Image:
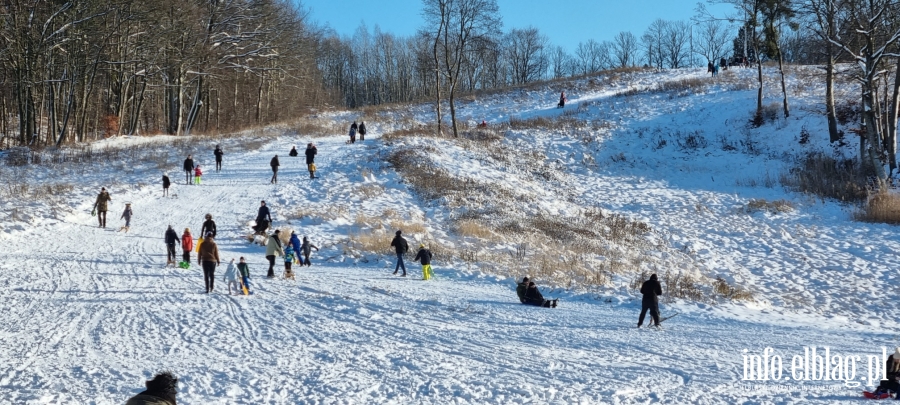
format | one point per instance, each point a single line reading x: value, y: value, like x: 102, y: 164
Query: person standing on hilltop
x: 400, y: 247
x: 188, y: 169
x: 274, y: 164
x: 101, y: 205
x: 166, y: 183
x: 562, y: 100
x: 218, y: 153
x: 311, y: 159
x: 651, y: 289
x: 353, y: 129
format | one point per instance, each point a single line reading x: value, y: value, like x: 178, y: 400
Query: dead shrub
x: 681, y: 286
x: 554, y: 122
x: 827, y: 177
x: 408, y: 227
x: 769, y: 113
x: 882, y: 207
x: 376, y: 241
x: 727, y: 291
x: 370, y: 190
x: 775, y: 207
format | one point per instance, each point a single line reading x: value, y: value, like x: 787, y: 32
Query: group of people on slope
x: 101, y: 206
x: 401, y: 247
x: 651, y: 290
x: 310, y: 153
x: 294, y: 251
x: 360, y: 129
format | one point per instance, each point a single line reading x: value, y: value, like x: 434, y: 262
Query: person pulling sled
x: 651, y: 289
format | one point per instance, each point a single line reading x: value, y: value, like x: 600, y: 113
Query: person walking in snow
x: 562, y: 100
x: 161, y: 390
x: 723, y: 63
x: 101, y: 205
x: 400, y: 247
x: 127, y: 216
x: 651, y: 289
x: 166, y: 184
x: 208, y: 258
x: 273, y: 247
x: 289, y: 256
x: 424, y: 257
x: 353, y: 132
x: 311, y: 159
x: 188, y: 169
x: 306, y: 249
x: 295, y: 243
x: 534, y: 297
x: 274, y: 164
x: 209, y: 226
x: 709, y: 68
x: 197, y: 174
x: 362, y: 131
x: 218, y: 153
x: 293, y: 152
x: 263, y: 218
x: 187, y: 245
x: 521, y: 288
x: 171, y: 239
x: 245, y: 273
x: 233, y: 277
x: 715, y: 70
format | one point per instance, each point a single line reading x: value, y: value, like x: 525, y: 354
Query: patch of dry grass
x: 882, y: 207
x: 827, y: 177
x: 473, y: 229
x: 775, y: 207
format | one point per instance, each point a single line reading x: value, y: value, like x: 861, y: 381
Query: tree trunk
x: 437, y: 88
x: 787, y: 110
x: 872, y: 130
x: 759, y: 91
x: 892, y: 110
x: 195, y: 106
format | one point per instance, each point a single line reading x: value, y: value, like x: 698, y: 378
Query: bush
x: 883, y: 206
x: 827, y: 177
x: 769, y: 206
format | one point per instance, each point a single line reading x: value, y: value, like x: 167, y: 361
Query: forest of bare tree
x: 82, y: 70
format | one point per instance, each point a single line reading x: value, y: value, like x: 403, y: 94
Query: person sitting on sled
x: 534, y: 297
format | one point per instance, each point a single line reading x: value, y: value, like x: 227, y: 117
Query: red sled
x: 872, y: 395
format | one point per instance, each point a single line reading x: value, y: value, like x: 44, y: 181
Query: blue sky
x: 566, y: 22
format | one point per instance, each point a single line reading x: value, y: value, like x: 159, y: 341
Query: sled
x: 199, y: 241
x: 184, y: 265
x: 661, y: 320
x: 872, y: 395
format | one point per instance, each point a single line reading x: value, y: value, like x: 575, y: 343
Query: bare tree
x: 526, y: 50
x: 652, y: 42
x: 712, y: 39
x: 675, y: 41
x: 625, y: 49
x: 825, y: 16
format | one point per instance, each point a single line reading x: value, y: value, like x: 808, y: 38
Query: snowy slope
x: 92, y: 313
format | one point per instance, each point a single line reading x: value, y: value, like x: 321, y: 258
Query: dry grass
x: 826, y: 177
x: 775, y: 207
x: 377, y: 241
x: 882, y: 207
x: 473, y: 229
x: 369, y: 190
x: 408, y: 227
x: 547, y: 123
x: 318, y: 127
x: 727, y: 291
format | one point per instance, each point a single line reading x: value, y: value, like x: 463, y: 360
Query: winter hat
x: 422, y: 245
x: 399, y: 232
x: 525, y: 279
x: 208, y: 216
x: 277, y: 231
x: 293, y: 232
x: 102, y: 188
x: 304, y: 238
x: 653, y: 277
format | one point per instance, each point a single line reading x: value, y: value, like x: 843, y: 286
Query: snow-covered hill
x: 91, y: 313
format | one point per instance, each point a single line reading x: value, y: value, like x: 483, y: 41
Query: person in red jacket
x: 197, y: 174
x: 187, y: 244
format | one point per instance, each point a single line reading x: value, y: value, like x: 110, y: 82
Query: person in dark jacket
x: 534, y: 297
x: 208, y: 259
x: 311, y: 159
x: 188, y: 169
x: 209, y: 226
x: 521, y: 288
x: 293, y: 152
x: 171, y: 240
x: 401, y: 247
x: 274, y: 163
x: 353, y: 129
x: 651, y: 290
x: 166, y: 184
x: 424, y: 257
x: 709, y: 67
x: 263, y: 218
x: 161, y: 390
x: 362, y: 131
x: 245, y: 273
x: 892, y: 366
x: 102, y: 205
x: 562, y: 100
x: 305, y: 250
x: 218, y: 152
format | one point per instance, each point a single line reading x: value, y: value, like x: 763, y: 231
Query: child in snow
x: 306, y: 250
x: 424, y: 257
x: 288, y: 260
x: 534, y: 297
x: 197, y: 174
x: 187, y: 245
x: 233, y: 278
x: 245, y: 274
x: 166, y: 184
x: 127, y: 215
x: 521, y: 288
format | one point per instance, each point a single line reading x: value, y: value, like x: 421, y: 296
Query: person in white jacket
x: 233, y: 278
